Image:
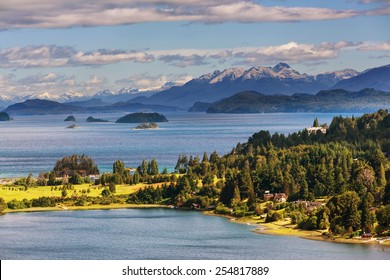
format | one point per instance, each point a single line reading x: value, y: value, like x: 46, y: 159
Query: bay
x: 156, y: 234
x: 35, y: 143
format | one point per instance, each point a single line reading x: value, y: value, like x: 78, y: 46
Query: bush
x: 273, y: 217
x: 220, y: 209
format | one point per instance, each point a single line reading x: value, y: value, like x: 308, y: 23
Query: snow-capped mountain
x: 377, y: 78
x: 331, y: 78
x: 280, y: 79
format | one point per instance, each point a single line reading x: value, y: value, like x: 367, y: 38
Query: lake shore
x: 275, y: 228
x: 285, y: 228
x: 81, y: 208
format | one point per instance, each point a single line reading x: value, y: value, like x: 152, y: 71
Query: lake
x: 35, y: 143
x: 156, y: 234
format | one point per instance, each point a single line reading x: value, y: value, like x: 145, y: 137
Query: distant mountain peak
x: 280, y: 66
x: 228, y: 74
x: 105, y: 92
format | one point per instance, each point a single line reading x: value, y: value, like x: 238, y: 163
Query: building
x: 314, y: 129
x: 280, y: 197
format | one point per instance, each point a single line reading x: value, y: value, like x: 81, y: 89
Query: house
x: 367, y: 235
x: 280, y: 197
x: 314, y: 129
x: 83, y: 173
x: 267, y: 195
x: 94, y: 177
x: 309, y: 205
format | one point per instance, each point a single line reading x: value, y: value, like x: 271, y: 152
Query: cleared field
x: 9, y: 193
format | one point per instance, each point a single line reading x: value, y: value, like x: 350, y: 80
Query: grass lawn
x: 9, y: 193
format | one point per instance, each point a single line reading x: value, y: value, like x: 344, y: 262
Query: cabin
x: 195, y: 206
x: 366, y: 235
x: 267, y: 195
x: 280, y: 197
x: 314, y: 129
x: 309, y: 205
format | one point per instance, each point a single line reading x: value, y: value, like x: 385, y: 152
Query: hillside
x: 325, y: 101
x: 41, y: 107
x: 377, y: 78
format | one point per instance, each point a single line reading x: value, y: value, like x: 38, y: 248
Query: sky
x: 85, y: 46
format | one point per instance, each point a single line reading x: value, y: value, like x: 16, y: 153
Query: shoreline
x: 285, y: 229
x: 85, y: 208
x: 275, y: 228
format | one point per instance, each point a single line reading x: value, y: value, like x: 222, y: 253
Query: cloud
x: 62, y: 56
x: 292, y: 52
x: 70, y: 13
x: 368, y: 46
x: 184, y: 60
x: 145, y: 81
x: 49, y: 83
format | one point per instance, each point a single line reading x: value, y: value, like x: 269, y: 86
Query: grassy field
x: 9, y: 193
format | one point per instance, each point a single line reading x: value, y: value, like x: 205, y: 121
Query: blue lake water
x: 156, y: 234
x: 34, y: 143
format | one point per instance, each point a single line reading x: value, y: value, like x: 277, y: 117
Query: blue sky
x: 60, y: 46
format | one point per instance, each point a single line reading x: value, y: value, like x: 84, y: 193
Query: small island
x: 4, y: 117
x: 92, y: 119
x: 147, y: 126
x: 70, y: 118
x: 142, y: 118
x: 72, y: 126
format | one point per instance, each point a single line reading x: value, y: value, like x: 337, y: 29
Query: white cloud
x: 292, y: 52
x: 61, y: 56
x: 145, y: 81
x: 368, y: 46
x: 69, y: 13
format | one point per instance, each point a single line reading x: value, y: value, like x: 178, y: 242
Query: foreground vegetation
x: 336, y: 184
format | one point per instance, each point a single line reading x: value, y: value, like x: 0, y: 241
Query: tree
x: 41, y: 181
x: 3, y: 204
x: 316, y: 123
x: 153, y: 167
x: 118, y: 168
x: 112, y: 187
x: 106, y: 193
x: 227, y: 192
x: 52, y: 179
x: 76, y: 179
x: 386, y: 196
x: 136, y: 177
x: 366, y: 220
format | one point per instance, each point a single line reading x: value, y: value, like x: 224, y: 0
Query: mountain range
x: 212, y: 87
x: 335, y: 100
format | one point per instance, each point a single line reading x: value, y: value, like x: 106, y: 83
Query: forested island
x: 92, y: 119
x: 142, y: 118
x: 4, y: 117
x: 70, y: 118
x: 332, y: 182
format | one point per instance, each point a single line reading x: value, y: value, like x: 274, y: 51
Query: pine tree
x: 316, y: 123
